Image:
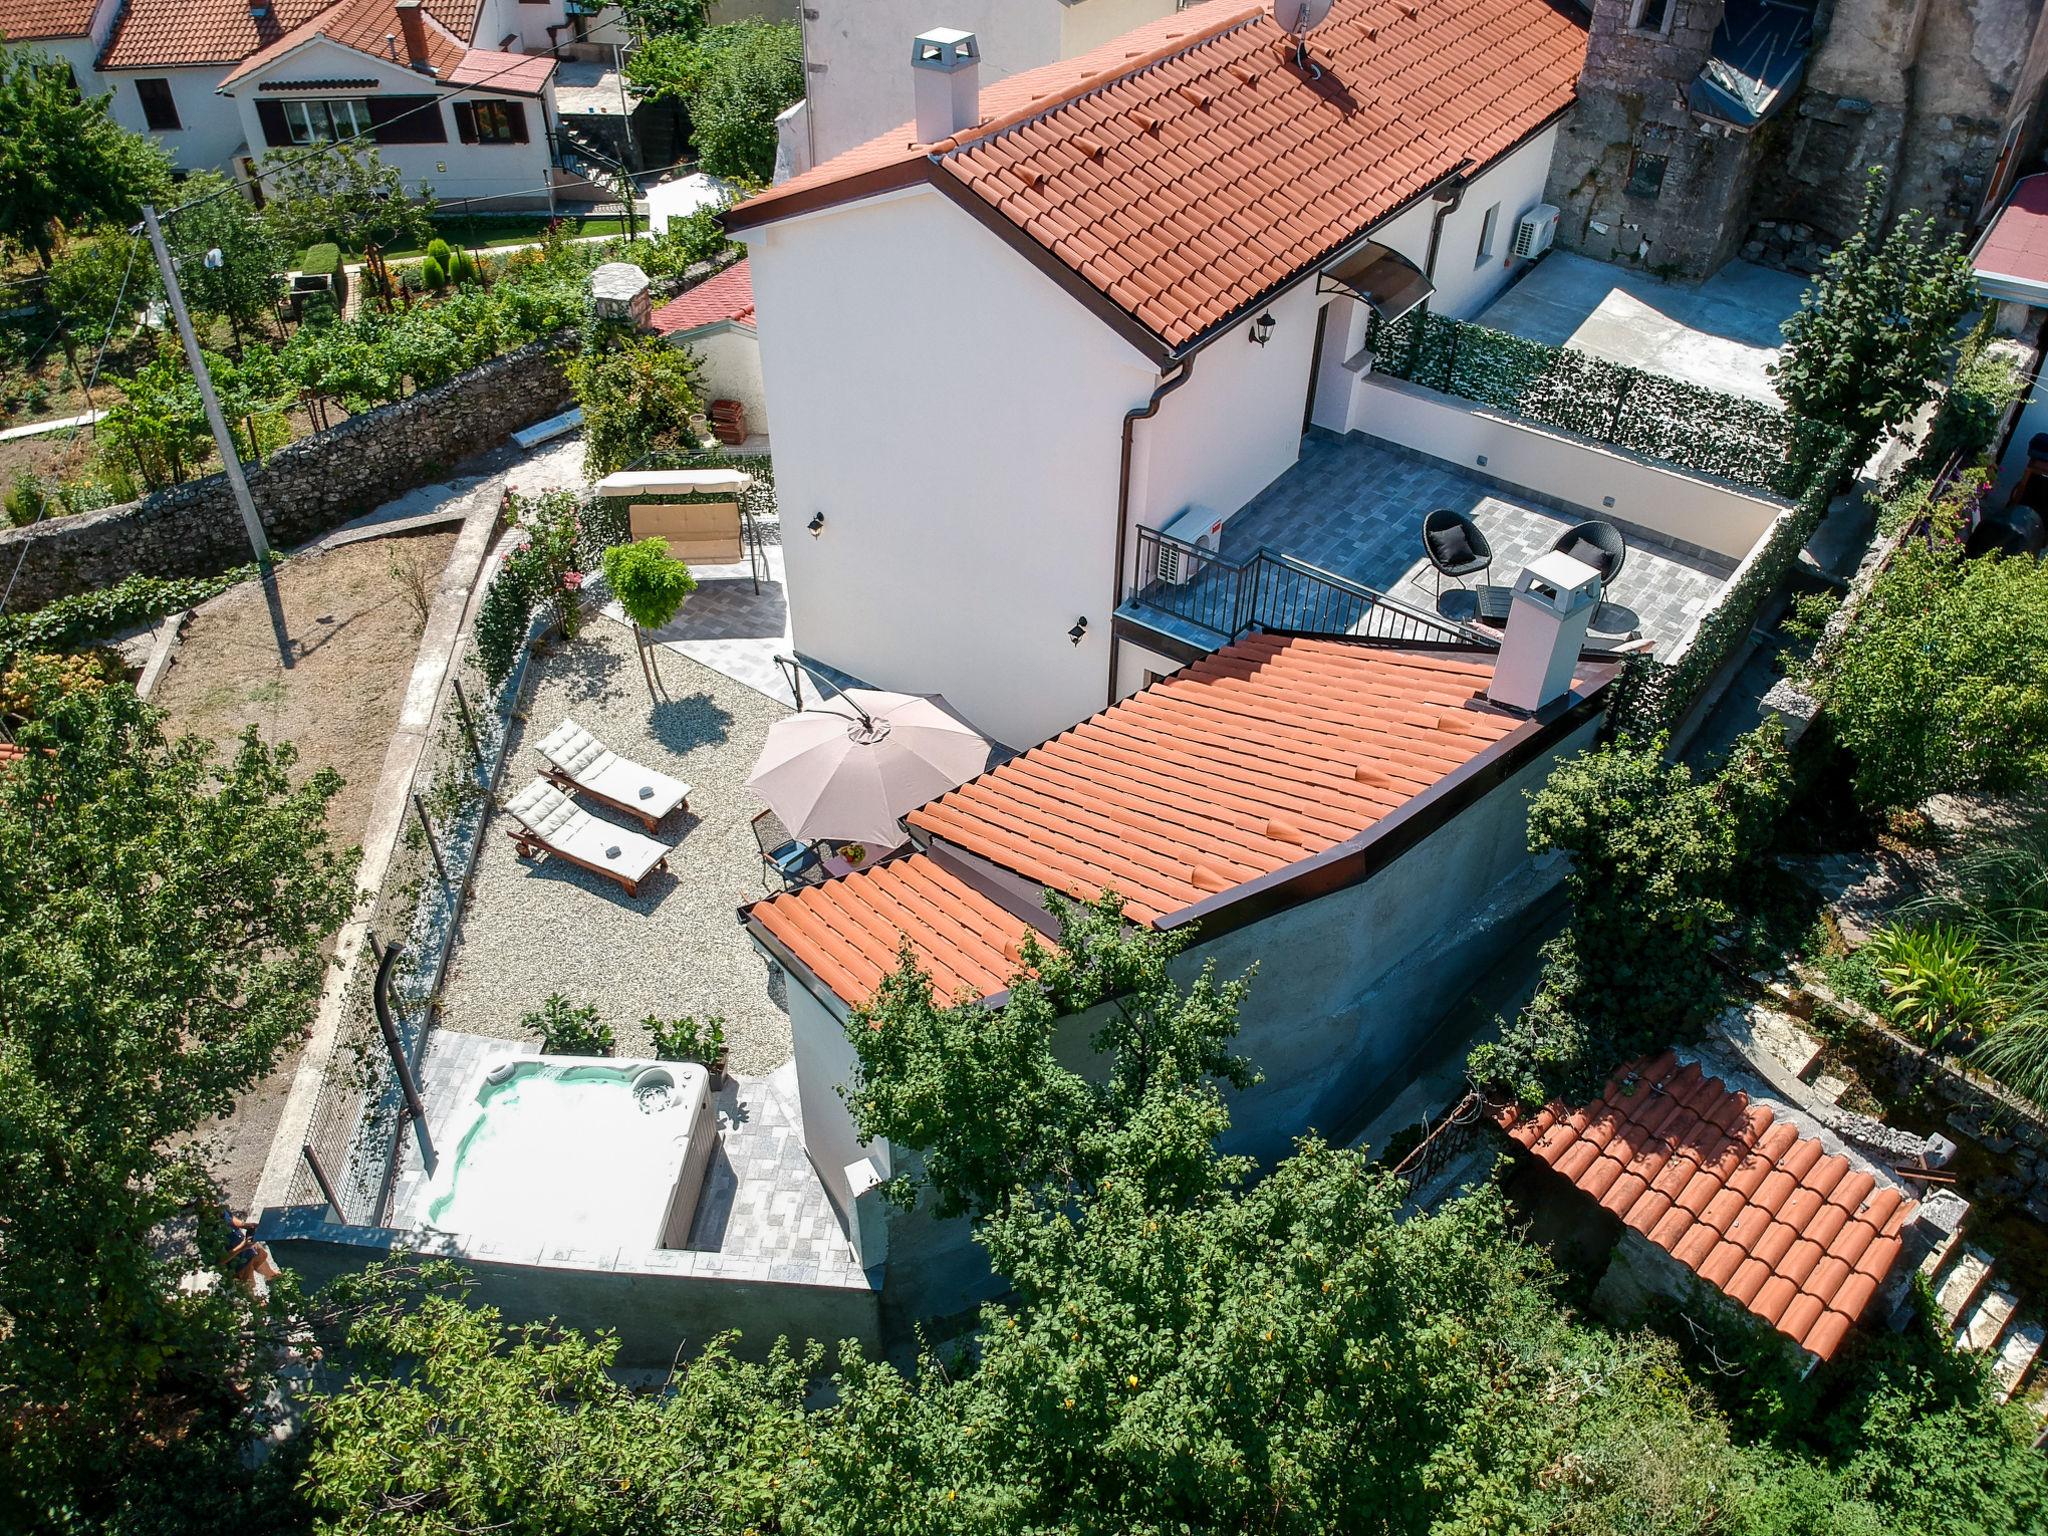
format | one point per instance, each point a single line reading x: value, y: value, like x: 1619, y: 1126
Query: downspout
x: 1457, y: 181
x: 1123, y: 502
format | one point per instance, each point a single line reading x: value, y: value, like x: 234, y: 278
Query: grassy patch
x: 472, y: 233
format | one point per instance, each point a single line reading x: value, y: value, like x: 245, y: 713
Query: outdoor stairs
x: 1981, y: 1316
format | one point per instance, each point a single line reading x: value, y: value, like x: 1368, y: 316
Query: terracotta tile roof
x: 515, y: 74
x: 2016, y: 244
x: 365, y: 24
x: 727, y: 296
x: 1798, y: 1237
x: 36, y: 21
x: 169, y: 34
x: 849, y: 931
x: 9, y: 752
x: 1189, y: 168
x: 1249, y: 760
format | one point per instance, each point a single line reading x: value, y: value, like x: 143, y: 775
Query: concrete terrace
x: 1720, y: 334
x: 1354, y: 507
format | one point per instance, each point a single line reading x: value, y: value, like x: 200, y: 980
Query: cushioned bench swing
x: 701, y: 513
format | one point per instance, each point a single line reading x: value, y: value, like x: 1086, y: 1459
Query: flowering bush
x: 540, y: 572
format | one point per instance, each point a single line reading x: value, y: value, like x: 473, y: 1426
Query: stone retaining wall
x: 306, y: 487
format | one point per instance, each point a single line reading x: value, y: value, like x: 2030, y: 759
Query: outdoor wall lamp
x: 1080, y: 628
x: 816, y: 524
x: 1262, y: 329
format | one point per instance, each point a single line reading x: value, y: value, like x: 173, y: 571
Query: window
x: 1651, y: 16
x: 1487, y: 228
x: 1646, y: 175
x: 490, y: 122
x: 158, y: 110
x: 323, y: 122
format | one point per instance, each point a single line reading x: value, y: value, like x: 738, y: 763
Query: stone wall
x: 305, y: 488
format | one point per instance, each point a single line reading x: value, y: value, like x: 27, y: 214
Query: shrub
x: 685, y: 1040
x: 1985, y: 384
x: 32, y: 682
x: 567, y: 1029
x: 542, y: 568
x: 26, y: 500
x: 638, y: 396
x: 71, y: 621
x: 432, y: 273
x: 649, y: 583
x: 1935, y: 982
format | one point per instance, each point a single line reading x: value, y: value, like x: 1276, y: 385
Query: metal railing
x: 1272, y: 591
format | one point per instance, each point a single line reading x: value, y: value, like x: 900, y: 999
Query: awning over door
x: 1384, y: 278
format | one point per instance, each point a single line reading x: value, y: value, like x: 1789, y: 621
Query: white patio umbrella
x: 847, y: 769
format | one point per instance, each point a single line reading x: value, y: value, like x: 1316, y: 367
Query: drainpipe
x: 1445, y: 207
x: 1123, y: 503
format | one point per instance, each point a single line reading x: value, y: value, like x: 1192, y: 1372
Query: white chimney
x: 946, y: 75
x: 1552, y: 606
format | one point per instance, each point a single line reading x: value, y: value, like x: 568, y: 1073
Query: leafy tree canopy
x: 346, y: 194
x: 63, y: 159
x: 736, y: 80
x: 161, y: 923
x: 247, y: 281
x: 649, y: 583
x: 638, y: 396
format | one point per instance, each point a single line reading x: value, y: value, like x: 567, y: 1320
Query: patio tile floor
x: 1354, y: 506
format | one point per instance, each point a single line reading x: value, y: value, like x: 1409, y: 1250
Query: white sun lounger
x: 550, y: 822
x: 579, y: 763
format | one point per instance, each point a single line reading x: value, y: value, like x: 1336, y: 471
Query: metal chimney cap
x: 945, y: 49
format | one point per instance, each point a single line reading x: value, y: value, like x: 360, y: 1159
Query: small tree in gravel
x: 650, y: 585
x: 569, y: 1029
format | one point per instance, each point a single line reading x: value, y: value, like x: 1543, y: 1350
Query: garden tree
x: 665, y: 18
x: 650, y: 585
x: 63, y: 159
x: 1941, y: 682
x: 157, y: 429
x: 1869, y: 343
x: 979, y: 1092
x: 245, y: 286
x: 736, y: 80
x: 344, y: 193
x: 161, y: 922
x: 93, y: 285
x: 638, y: 396
x: 1656, y: 858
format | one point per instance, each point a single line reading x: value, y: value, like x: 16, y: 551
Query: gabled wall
x: 211, y: 129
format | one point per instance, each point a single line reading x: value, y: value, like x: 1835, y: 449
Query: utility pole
x: 631, y: 144
x: 257, y: 539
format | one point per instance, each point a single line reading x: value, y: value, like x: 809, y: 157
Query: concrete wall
x: 824, y: 1063
x: 1686, y: 509
x: 857, y: 52
x: 211, y: 129
x: 730, y: 356
x: 957, y: 419
x: 306, y: 487
x: 525, y: 21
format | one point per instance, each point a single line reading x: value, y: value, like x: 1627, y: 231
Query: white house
x: 1052, y: 311
x: 854, y: 81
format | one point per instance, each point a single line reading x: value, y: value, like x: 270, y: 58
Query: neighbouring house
x: 1706, y: 129
x: 854, y: 78
x: 1700, y: 1187
x: 1095, y: 298
x: 1347, y: 814
x: 715, y: 321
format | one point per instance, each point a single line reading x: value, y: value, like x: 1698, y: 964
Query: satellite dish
x: 1297, y: 19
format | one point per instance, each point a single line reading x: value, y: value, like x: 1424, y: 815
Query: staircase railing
x: 1273, y: 591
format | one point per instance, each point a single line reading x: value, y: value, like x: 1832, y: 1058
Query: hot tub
x: 585, y: 1151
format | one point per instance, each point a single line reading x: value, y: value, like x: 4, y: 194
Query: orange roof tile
x: 1266, y: 753
x: 37, y: 21
x: 849, y: 931
x: 365, y: 25
x: 727, y: 296
x: 1189, y: 168
x: 170, y: 34
x: 9, y: 752
x: 1766, y: 1216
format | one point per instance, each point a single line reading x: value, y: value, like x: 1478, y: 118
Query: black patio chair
x: 1597, y: 544
x: 1455, y: 546
x: 795, y: 863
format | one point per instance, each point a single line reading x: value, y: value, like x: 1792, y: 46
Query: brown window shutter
x: 271, y: 115
x: 406, y: 120
x: 465, y: 122
x: 515, y: 117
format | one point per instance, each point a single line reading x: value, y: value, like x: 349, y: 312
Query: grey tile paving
x: 1354, y: 506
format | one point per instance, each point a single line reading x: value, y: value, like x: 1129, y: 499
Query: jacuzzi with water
x: 578, y: 1150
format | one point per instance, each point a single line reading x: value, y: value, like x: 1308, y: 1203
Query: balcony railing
x: 1271, y: 591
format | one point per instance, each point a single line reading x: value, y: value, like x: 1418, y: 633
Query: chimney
x: 259, y: 9
x: 412, y: 22
x: 1548, y: 614
x: 946, y: 76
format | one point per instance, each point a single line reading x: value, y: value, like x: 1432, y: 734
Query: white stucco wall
x: 503, y: 176
x: 1712, y: 516
x: 211, y: 128
x: 730, y: 357
x: 527, y: 21
x: 857, y: 52
x: 958, y: 420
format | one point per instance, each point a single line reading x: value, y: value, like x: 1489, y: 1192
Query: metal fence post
x: 320, y: 1177
x: 427, y: 826
x: 468, y: 721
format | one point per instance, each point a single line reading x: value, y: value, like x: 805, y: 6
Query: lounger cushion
x: 556, y: 822
x: 597, y: 768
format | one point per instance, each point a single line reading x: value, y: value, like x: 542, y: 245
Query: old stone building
x: 1707, y: 129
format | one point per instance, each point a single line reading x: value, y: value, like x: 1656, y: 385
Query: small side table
x: 1490, y: 605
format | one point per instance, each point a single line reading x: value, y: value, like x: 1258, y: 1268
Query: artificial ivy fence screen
x: 1681, y: 424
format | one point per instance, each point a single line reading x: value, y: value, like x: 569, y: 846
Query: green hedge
x: 1681, y: 424
x: 322, y: 261
x: 71, y: 622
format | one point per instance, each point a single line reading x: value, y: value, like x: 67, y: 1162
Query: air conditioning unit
x: 1197, y: 526
x: 1535, y: 230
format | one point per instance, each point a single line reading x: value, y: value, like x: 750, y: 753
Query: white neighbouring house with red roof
x: 456, y: 93
x: 1094, y: 297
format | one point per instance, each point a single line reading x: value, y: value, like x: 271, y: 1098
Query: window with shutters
x: 491, y: 122
x: 323, y: 122
x: 159, y: 111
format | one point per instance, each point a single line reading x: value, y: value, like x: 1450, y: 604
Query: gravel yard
x: 541, y: 926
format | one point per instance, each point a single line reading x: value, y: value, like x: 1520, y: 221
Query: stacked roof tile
x: 1797, y: 1236
x: 1191, y: 167
x: 727, y: 296
x: 37, y: 21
